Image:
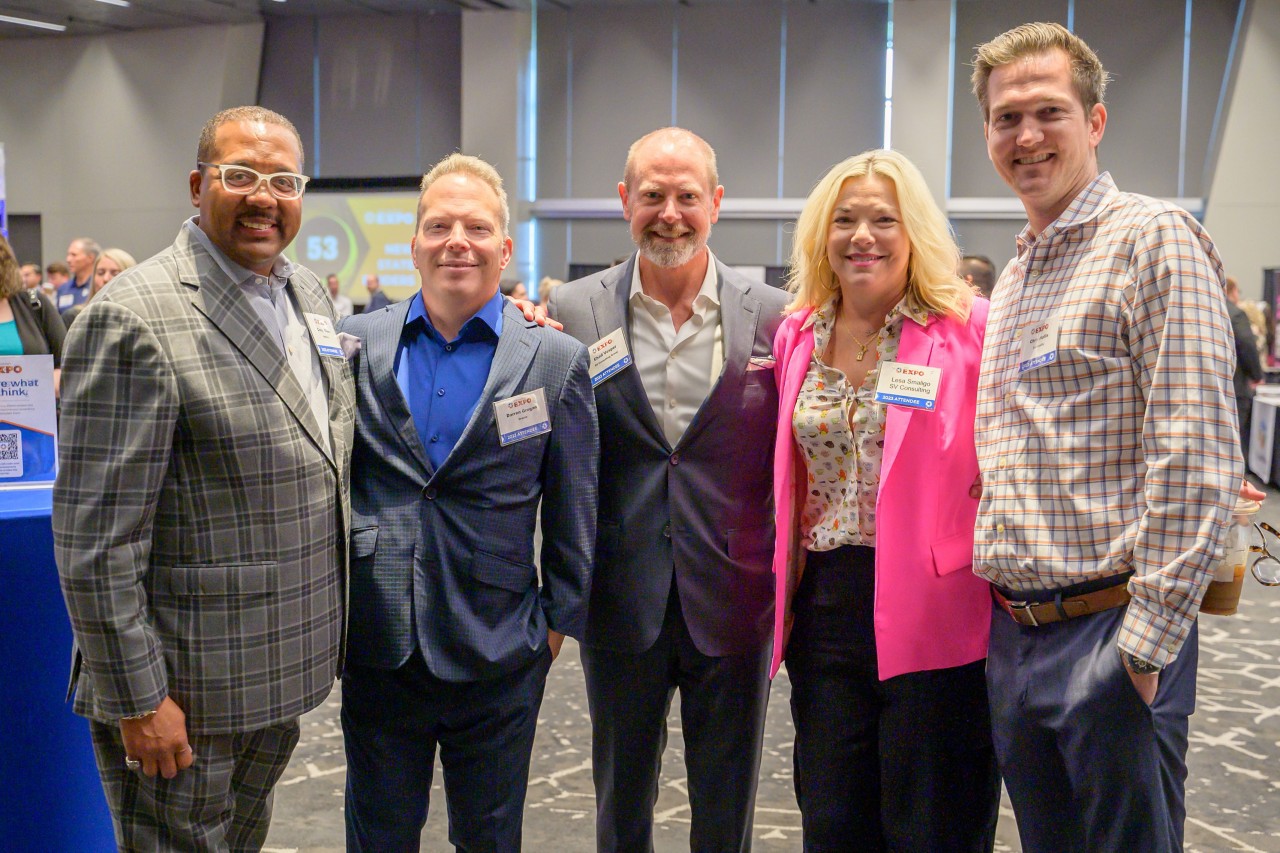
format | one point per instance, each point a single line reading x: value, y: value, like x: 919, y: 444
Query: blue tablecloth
x: 52, y: 799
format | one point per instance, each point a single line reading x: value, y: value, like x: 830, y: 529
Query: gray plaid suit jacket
x: 199, y: 522
x: 445, y: 556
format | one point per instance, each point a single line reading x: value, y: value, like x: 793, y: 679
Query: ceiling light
x: 115, y: 2
x: 27, y: 22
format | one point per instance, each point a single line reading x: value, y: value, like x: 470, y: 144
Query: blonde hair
x: 1087, y: 73
x: 123, y: 259
x: 932, y: 283
x: 465, y: 164
x: 10, y: 271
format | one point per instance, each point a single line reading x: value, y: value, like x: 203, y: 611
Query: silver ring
x: 132, y: 764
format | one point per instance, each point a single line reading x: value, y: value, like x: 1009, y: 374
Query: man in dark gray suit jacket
x: 468, y: 416
x: 682, y: 594
x: 200, y: 512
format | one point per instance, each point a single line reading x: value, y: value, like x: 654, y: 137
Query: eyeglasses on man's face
x: 242, y: 180
x: 1266, y: 569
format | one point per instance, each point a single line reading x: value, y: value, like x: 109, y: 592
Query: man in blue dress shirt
x: 468, y: 417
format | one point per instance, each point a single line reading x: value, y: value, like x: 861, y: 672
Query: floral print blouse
x: 840, y: 432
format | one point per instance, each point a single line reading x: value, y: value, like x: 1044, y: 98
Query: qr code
x: 10, y: 445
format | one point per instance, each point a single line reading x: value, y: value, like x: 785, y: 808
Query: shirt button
x: 1004, y: 461
x: 1000, y: 529
x: 675, y: 458
x: 671, y: 404
x: 448, y: 347
x: 440, y: 392
x: 435, y: 438
x: 430, y: 493
x: 666, y: 530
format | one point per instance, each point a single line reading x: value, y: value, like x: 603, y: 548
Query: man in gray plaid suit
x: 201, y: 507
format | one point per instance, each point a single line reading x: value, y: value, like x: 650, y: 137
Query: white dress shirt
x: 677, y: 368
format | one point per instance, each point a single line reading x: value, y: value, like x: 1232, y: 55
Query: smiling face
x: 670, y: 203
x: 253, y: 229
x: 459, y: 248
x: 1040, y: 138
x: 867, y: 244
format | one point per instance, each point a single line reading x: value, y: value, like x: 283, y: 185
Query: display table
x: 53, y: 800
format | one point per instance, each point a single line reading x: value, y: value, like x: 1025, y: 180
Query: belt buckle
x: 1024, y: 607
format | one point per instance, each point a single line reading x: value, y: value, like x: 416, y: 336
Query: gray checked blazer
x: 444, y: 557
x: 698, y: 514
x: 198, y: 518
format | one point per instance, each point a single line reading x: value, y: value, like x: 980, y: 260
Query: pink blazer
x: 931, y: 611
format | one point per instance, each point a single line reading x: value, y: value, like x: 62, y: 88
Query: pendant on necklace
x: 862, y: 351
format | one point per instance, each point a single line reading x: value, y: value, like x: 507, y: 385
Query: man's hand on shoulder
x: 536, y: 313
x: 159, y: 740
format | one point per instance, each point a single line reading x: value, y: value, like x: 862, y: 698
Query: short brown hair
x: 10, y: 272
x: 1087, y: 73
x: 209, y: 134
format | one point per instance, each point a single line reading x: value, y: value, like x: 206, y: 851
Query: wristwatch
x: 1137, y: 665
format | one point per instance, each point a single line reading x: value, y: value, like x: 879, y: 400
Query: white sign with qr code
x: 10, y: 453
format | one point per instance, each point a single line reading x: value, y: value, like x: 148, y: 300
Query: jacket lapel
x: 309, y: 301
x: 382, y: 339
x: 914, y: 347
x: 739, y: 319
x: 611, y: 307
x: 217, y: 297
x: 511, y: 362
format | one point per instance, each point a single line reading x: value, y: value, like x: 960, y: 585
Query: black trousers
x: 905, y: 764
x: 722, y: 707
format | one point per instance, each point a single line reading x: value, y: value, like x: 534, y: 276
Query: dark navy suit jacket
x: 445, y: 557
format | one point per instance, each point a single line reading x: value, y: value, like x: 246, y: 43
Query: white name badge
x: 324, y: 336
x: 608, y: 356
x: 1039, y: 344
x: 912, y: 385
x: 65, y: 301
x: 522, y: 416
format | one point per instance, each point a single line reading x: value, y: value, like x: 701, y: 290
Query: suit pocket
x: 364, y: 542
x: 748, y: 542
x: 492, y: 570
x: 226, y: 579
x: 952, y: 553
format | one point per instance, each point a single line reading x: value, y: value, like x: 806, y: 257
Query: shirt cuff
x: 1153, y: 636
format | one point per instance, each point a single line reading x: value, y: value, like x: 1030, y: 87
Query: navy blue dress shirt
x: 442, y: 380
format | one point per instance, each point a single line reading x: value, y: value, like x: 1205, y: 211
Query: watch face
x: 1138, y: 666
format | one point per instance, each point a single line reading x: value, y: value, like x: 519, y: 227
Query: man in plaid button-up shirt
x: 1107, y: 438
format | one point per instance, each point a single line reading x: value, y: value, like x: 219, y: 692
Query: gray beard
x: 670, y: 256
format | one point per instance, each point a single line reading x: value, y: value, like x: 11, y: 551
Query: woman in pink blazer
x: 883, y: 623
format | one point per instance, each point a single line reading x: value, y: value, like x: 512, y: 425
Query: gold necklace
x: 862, y: 348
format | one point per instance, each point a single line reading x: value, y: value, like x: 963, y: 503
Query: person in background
x: 29, y: 324
x: 378, y: 299
x: 874, y: 500
x: 1110, y: 457
x: 978, y: 271
x: 1249, y: 371
x: 31, y: 278
x: 342, y: 305
x: 545, y: 287
x: 513, y: 288
x: 82, y: 254
x: 55, y: 275
x: 111, y: 262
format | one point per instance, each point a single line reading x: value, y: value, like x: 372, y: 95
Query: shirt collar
x: 906, y: 307
x: 1085, y: 207
x: 488, y: 317
x: 708, y: 293
x: 281, y: 266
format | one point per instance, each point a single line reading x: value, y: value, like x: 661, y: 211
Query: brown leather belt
x: 1036, y: 613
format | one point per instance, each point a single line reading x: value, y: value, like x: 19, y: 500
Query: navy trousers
x: 722, y: 707
x: 1089, y: 767
x: 902, y: 765
x: 392, y: 721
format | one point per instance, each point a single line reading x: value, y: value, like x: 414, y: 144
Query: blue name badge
x: 522, y: 416
x: 914, y: 386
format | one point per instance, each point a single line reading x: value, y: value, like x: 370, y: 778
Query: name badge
x: 1039, y: 344
x: 609, y: 355
x: 324, y: 335
x: 522, y: 416
x: 912, y: 385
x: 66, y: 300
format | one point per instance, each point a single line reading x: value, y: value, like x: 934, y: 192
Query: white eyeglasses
x: 242, y: 180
